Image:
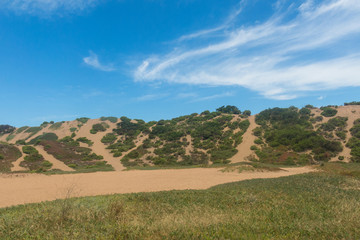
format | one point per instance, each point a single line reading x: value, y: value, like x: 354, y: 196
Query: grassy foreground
x: 323, y: 205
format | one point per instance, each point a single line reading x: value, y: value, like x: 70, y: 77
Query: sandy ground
x: 18, y: 189
x: 248, y: 140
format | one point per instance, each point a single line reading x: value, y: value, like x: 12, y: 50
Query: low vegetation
x: 214, y: 137
x: 56, y: 126
x: 8, y: 154
x: 34, y: 161
x: 99, y: 127
x: 5, y: 129
x: 354, y: 141
x: 110, y: 119
x: 352, y: 103
x: 328, y: 111
x: 288, y: 137
x: 44, y: 136
x: 79, y: 158
x: 322, y: 205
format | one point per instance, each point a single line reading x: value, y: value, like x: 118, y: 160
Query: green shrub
x: 83, y: 120
x: 47, y: 164
x: 1, y: 157
x: 44, y: 136
x: 352, y: 103
x: 99, y: 127
x: 85, y: 140
x: 111, y: 119
x: 328, y: 112
x: 73, y: 129
x: 341, y: 158
x: 229, y: 109
x: 20, y: 142
x: 4, y: 129
x: 109, y: 138
x: 29, y: 150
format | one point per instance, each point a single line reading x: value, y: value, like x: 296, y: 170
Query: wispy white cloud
x: 46, y: 7
x: 215, y: 96
x: 186, y: 95
x: 93, y: 61
x: 151, y: 97
x: 279, y: 58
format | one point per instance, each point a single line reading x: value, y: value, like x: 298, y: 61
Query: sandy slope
x: 29, y: 188
x: 99, y: 148
x: 56, y: 163
x: 248, y: 140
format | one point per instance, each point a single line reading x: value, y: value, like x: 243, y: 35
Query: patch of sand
x: 57, y: 164
x: 31, y: 188
x: 248, y: 140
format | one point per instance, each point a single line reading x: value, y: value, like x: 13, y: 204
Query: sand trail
x: 18, y: 189
x: 248, y: 140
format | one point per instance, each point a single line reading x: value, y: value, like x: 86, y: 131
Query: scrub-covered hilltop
x: 287, y: 136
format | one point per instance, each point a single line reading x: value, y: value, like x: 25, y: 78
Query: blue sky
x: 158, y: 59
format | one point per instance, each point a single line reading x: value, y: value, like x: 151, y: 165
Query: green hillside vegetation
x: 354, y: 142
x: 21, y: 129
x: 321, y: 205
x: 328, y: 111
x: 8, y: 154
x: 214, y: 137
x: 111, y: 119
x: 34, y: 161
x: 286, y: 136
x: 99, y: 127
x: 83, y: 120
x: 352, y: 103
x: 56, y: 126
x: 85, y: 140
x: 44, y: 136
x: 289, y: 136
x: 5, y: 129
x: 335, y: 126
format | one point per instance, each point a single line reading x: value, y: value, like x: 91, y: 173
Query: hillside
x: 286, y: 136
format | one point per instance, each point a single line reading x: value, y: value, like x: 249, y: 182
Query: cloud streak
x: 46, y: 7
x: 93, y: 61
x: 307, y: 47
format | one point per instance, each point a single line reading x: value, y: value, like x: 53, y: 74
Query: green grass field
x: 321, y: 205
